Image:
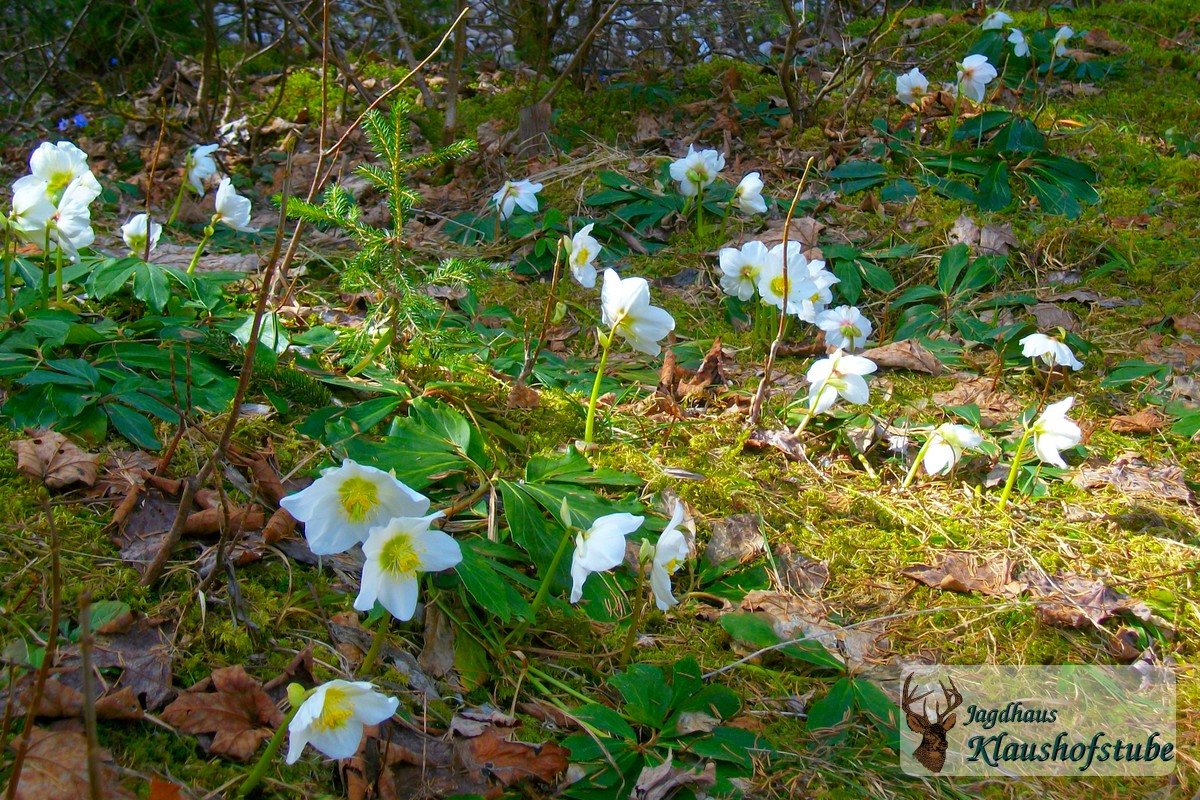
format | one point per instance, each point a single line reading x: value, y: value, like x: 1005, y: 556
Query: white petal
x: 939, y: 458
x: 855, y: 390
x: 398, y: 594
x: 442, y: 551
x: 340, y: 742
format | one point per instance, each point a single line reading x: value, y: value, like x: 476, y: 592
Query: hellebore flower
x: 974, y: 74
x: 200, y: 166
x: 911, y: 86
x: 342, y: 506
x: 946, y: 445
x: 1053, y: 432
x: 584, y: 249
x: 232, y: 209
x: 599, y: 548
x: 771, y: 282
x: 748, y: 195
x: 626, y: 310
x: 519, y: 193
x: 845, y: 327
x: 395, y: 553
x: 1060, y: 40
x: 1019, y: 43
x: 695, y: 171
x: 667, y: 555
x: 60, y: 165
x: 332, y: 718
x: 838, y: 375
x: 1052, y: 351
x: 137, y: 231
x: 995, y: 21
x: 740, y: 268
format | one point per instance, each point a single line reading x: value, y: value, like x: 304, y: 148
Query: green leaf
x: 757, y: 632
x: 994, y: 191
x: 877, y: 277
x: 875, y: 704
x: 109, y: 276
x: 952, y: 263
x: 833, y: 709
x: 646, y: 694
x: 607, y: 720
x: 533, y: 532
x: 898, y: 191
x: 849, y: 280
x: 486, y: 587
x: 133, y: 426
x: 150, y: 286
x: 103, y: 612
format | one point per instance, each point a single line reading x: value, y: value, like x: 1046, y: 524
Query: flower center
x: 850, y: 331
x: 359, y: 497
x: 335, y: 713
x: 697, y: 175
x: 671, y: 566
x: 398, y: 555
x: 581, y: 256
x: 777, y: 284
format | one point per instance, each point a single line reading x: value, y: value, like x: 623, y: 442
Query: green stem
x: 381, y: 629
x: 178, y: 198
x: 589, y: 428
x: 635, y: 619
x: 208, y: 232
x: 46, y: 270
x: 954, y: 116
x: 808, y: 412
x: 375, y: 350
x: 700, y: 213
x: 58, y: 279
x: 260, y: 769
x: 8, y: 292
x: 539, y: 599
x: 725, y: 219
x: 912, y: 471
x: 1016, y: 465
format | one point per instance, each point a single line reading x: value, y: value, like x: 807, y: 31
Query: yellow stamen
x: 336, y: 712
x: 398, y: 555
x: 359, y: 497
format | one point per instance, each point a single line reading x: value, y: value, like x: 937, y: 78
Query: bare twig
x: 95, y: 784
x: 584, y: 47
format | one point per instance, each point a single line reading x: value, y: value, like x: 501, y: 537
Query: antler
x: 910, y: 698
x: 953, y: 699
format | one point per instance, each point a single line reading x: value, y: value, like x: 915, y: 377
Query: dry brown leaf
x: 164, y: 790
x: 437, y: 657
x: 1127, y: 473
x: 676, y: 383
x: 56, y: 768
x: 929, y: 21
x: 1186, y: 323
x: 1050, y: 316
x: 967, y: 571
x: 280, y: 526
x: 997, y: 239
x: 793, y: 617
x: 493, y: 756
x: 800, y: 573
x: 905, y: 354
x: 53, y: 459
x: 143, y: 654
x: 964, y: 231
x: 1076, y: 601
x: 1147, y: 420
x: 804, y: 230
x: 994, y: 406
x: 1099, y: 39
x: 63, y: 702
x: 784, y: 441
x: 522, y: 395
x: 660, y: 782
x: 735, y: 537
x: 233, y: 707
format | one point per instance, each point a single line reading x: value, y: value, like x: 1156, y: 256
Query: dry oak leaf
x: 233, y: 707
x: 736, y: 537
x: 1076, y: 601
x: 1099, y: 39
x: 56, y: 768
x: 994, y: 406
x: 1147, y: 420
x: 659, y: 783
x: 1129, y: 474
x: 967, y: 571
x: 52, y: 458
x: 493, y: 756
x: 905, y: 354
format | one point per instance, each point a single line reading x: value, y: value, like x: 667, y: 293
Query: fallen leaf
x: 802, y: 574
x: 784, y: 441
x: 1050, y: 316
x: 1075, y: 601
x: 1099, y: 39
x: 1127, y: 473
x: 1086, y: 296
x: 660, y: 782
x: 995, y: 406
x: 231, y: 706
x: 735, y: 537
x: 929, y: 21
x: 997, y: 239
x: 804, y: 230
x: 1186, y: 323
x: 164, y: 790
x: 143, y: 655
x: 493, y: 756
x: 676, y: 383
x: 437, y: 657
x: 145, y: 528
x: 52, y: 458
x: 1147, y: 420
x: 56, y: 768
x: 964, y: 231
x: 794, y: 617
x: 905, y: 354
x: 695, y: 722
x: 523, y: 395
x: 63, y: 702
x: 967, y: 571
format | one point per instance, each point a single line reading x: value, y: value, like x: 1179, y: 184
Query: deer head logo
x: 932, y: 750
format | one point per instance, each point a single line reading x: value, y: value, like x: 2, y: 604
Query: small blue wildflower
x: 63, y: 124
x: 80, y: 120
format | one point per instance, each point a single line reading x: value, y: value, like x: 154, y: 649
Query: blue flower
x: 63, y: 124
x: 80, y: 120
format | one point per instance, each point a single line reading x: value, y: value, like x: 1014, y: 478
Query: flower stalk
x: 208, y: 233
x: 635, y: 619
x: 1016, y: 465
x: 912, y: 471
x: 539, y: 599
x: 589, y: 429
x: 381, y: 629
x: 264, y: 762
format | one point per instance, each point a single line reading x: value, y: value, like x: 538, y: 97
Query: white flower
x: 839, y: 374
x: 1053, y: 432
x: 519, y: 193
x: 232, y: 208
x: 345, y: 503
x: 740, y: 268
x: 60, y: 165
x: 71, y: 227
x: 332, y: 718
x: 696, y: 170
x: 1060, y: 40
x: 584, y: 249
x: 1050, y: 350
x: 748, y: 195
x: 1019, y: 43
x: 911, y: 86
x: 974, y: 74
x: 600, y: 547
x: 395, y: 553
x: 845, y: 327
x: 625, y: 308
x: 815, y: 290
x: 946, y: 445
x: 32, y: 209
x: 771, y: 278
x: 996, y: 20
x: 137, y: 231
x: 200, y: 166
x: 669, y: 553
